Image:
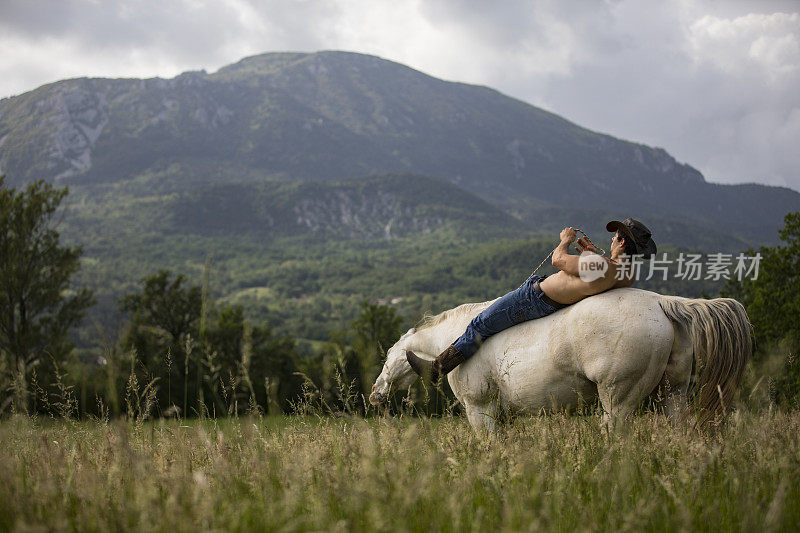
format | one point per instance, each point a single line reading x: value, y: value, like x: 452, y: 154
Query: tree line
x: 178, y: 354
x: 181, y: 354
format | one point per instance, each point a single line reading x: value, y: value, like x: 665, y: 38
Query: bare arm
x: 563, y: 261
x: 570, y: 264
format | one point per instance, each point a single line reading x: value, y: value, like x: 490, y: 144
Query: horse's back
x: 618, y: 333
x: 559, y: 360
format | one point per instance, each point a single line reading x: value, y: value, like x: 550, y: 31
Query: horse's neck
x: 434, y: 339
x: 431, y: 341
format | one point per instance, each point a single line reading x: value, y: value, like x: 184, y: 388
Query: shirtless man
x: 540, y: 296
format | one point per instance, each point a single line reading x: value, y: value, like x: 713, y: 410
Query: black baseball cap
x: 641, y: 236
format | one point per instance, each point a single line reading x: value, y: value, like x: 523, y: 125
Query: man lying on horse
x: 540, y: 296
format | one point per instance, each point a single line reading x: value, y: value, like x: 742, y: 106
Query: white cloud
x: 768, y: 43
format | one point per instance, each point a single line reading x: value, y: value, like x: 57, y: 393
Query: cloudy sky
x: 715, y: 83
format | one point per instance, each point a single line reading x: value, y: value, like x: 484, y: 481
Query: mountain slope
x: 337, y: 115
x: 303, y: 256
x: 377, y: 208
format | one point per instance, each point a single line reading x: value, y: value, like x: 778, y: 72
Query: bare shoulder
x: 609, y: 279
x: 622, y: 281
x: 617, y: 276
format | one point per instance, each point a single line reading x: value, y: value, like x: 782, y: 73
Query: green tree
x: 350, y: 360
x: 219, y: 367
x: 374, y: 332
x: 163, y: 331
x: 264, y: 365
x: 773, y: 298
x: 37, y: 305
x: 772, y: 301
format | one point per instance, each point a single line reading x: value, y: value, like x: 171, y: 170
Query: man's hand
x: 585, y: 246
x: 561, y: 258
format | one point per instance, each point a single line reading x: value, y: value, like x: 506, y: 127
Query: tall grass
x: 309, y: 473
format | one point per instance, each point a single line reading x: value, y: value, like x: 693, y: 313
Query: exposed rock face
x: 77, y: 117
x: 358, y: 216
x: 2, y: 140
x: 367, y: 209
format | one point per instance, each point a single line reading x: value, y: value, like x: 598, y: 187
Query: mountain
x: 333, y: 116
x: 303, y: 256
x: 379, y: 208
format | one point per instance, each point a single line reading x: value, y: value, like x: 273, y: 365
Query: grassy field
x: 410, y: 474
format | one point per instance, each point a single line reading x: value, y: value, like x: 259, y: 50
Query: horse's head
x: 396, y: 373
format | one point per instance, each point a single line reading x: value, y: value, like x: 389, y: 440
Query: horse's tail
x: 722, y: 340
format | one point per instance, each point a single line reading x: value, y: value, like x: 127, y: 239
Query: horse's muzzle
x: 377, y: 397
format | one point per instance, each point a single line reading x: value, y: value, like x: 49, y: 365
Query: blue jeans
x: 515, y: 307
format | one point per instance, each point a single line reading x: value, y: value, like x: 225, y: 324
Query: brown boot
x: 432, y: 371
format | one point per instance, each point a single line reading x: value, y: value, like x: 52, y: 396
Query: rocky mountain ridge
x: 334, y: 116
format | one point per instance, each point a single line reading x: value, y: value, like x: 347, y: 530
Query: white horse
x: 620, y: 346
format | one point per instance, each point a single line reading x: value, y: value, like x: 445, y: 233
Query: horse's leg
x: 621, y: 397
x: 634, y: 378
x: 483, y: 418
x: 670, y: 395
x: 671, y: 399
x: 616, y: 407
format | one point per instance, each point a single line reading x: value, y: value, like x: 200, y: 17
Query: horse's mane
x: 429, y: 321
